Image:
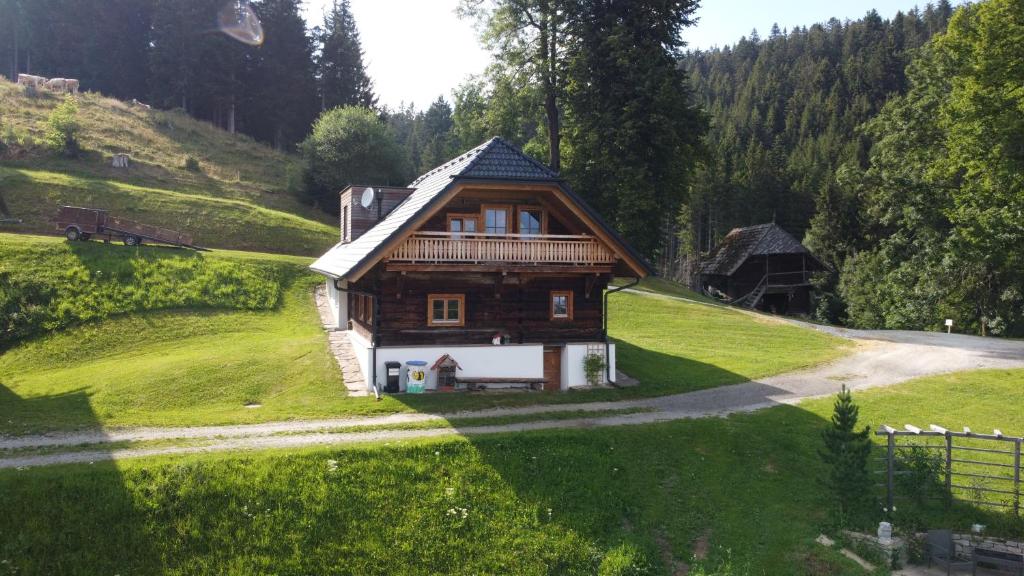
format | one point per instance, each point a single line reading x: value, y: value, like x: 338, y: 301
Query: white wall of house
x: 338, y: 302
x: 480, y: 361
x: 510, y: 361
x: 573, y: 375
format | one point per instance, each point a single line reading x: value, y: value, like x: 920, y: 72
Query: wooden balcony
x: 473, y: 251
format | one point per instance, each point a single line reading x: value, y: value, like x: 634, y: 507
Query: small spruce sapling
x: 846, y: 452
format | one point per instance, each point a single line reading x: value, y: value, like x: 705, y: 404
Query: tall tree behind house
x: 343, y: 79
x: 633, y: 130
x: 595, y: 87
x: 529, y: 36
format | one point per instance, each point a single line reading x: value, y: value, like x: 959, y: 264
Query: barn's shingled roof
x: 742, y: 243
x: 492, y: 160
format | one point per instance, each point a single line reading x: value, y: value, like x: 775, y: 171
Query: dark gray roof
x: 742, y: 243
x: 492, y: 160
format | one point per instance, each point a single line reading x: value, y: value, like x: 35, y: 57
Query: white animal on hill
x: 56, y: 84
x: 30, y: 80
x: 71, y: 85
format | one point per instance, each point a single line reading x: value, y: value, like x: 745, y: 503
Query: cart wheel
x: 72, y: 233
x: 131, y: 240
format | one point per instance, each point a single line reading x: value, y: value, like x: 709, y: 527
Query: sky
x: 417, y: 50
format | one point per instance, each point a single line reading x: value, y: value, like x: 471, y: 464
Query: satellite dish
x: 367, y: 200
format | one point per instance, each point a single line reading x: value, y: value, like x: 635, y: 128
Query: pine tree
x: 343, y: 79
x: 631, y: 122
x: 281, y: 94
x: 846, y: 453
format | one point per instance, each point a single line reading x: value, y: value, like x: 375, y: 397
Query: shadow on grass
x: 46, y: 528
x: 726, y: 488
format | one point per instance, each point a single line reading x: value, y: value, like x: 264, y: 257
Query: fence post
x: 1016, y: 477
x: 949, y: 467
x: 890, y: 471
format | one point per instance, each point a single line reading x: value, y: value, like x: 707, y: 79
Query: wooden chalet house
x: 763, y: 267
x: 491, y: 246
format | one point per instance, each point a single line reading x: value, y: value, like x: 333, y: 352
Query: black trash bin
x: 393, y: 371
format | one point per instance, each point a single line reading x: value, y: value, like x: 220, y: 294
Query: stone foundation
x: 965, y: 542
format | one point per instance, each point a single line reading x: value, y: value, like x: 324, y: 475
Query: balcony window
x: 496, y: 219
x: 462, y: 223
x: 531, y: 221
x: 446, y: 309
x: 561, y: 305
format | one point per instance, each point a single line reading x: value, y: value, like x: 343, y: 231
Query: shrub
x: 62, y: 128
x: 624, y: 560
x: 593, y: 364
x: 192, y: 164
x: 922, y: 470
x: 45, y: 290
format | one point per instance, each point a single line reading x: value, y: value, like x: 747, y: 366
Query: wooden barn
x: 761, y: 267
x: 490, y: 259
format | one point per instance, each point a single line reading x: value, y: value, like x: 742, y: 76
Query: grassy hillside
x: 157, y: 335
x: 243, y: 195
x: 742, y: 494
x: 110, y: 335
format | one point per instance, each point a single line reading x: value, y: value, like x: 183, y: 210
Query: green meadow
x: 729, y: 496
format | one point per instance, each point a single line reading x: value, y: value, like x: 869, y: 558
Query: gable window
x: 344, y: 224
x: 561, y: 305
x: 459, y: 224
x: 446, y: 309
x: 531, y: 221
x: 497, y: 219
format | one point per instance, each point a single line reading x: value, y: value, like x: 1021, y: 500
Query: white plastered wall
x: 338, y: 302
x: 573, y: 375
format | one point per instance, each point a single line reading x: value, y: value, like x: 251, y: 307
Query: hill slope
x: 107, y: 334
x: 242, y: 196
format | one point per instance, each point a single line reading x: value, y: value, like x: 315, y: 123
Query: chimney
x: 356, y: 219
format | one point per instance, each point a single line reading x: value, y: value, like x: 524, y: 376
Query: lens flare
x: 237, y: 20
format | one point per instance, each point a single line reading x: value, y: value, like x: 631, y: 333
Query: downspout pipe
x: 374, y: 330
x: 604, y: 329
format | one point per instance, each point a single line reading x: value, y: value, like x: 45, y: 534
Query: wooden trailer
x: 83, y: 223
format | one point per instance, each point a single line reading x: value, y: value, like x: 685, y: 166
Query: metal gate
x: 982, y: 469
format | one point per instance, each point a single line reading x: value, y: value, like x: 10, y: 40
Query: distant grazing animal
x: 30, y: 80
x: 140, y: 104
x: 56, y: 84
x: 71, y: 84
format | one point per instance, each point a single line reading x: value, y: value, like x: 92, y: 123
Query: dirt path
x: 882, y: 358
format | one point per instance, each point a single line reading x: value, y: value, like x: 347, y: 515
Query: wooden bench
x: 1002, y: 560
x: 483, y: 383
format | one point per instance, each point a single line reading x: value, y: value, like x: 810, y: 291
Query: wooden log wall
x: 516, y: 304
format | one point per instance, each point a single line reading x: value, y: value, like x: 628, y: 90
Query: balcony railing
x: 478, y: 248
